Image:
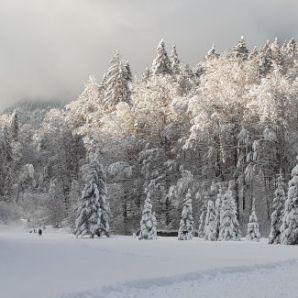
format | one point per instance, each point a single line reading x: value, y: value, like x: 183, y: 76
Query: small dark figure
x: 39, y: 232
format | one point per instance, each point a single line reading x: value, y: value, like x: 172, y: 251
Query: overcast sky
x: 49, y: 47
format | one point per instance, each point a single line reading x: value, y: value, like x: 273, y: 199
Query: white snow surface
x: 59, y: 265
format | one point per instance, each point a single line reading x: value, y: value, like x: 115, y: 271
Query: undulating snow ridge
x: 268, y: 280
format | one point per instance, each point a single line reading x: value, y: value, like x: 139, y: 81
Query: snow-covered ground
x: 59, y: 265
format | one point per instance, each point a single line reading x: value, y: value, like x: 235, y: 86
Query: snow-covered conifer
x: 117, y: 82
x: 240, y: 51
x: 161, y: 64
x: 229, y: 226
x: 93, y: 216
x: 253, y: 232
x: 210, y: 229
x: 265, y: 59
x: 148, y: 227
x: 175, y: 62
x: 14, y: 123
x: 211, y: 54
x: 278, y: 209
x: 186, y: 223
x: 289, y: 229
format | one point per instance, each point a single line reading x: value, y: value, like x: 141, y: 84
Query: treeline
x: 228, y: 124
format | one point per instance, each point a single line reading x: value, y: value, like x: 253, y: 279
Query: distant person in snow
x: 40, y: 231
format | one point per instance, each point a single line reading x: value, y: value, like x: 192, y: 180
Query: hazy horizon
x: 49, y: 48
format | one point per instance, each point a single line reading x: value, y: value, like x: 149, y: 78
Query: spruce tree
x: 212, y: 54
x: 229, y: 226
x: 253, y: 232
x: 175, y: 62
x: 148, y: 223
x: 265, y: 59
x: 117, y: 82
x: 93, y: 216
x: 161, y: 64
x: 14, y: 123
x: 186, y: 222
x: 278, y: 209
x: 289, y: 230
x: 210, y: 229
x: 240, y: 51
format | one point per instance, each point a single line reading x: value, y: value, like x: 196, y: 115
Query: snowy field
x: 59, y: 265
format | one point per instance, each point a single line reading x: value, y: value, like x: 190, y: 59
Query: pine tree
x: 211, y: 54
x: 186, y: 223
x: 240, y: 51
x: 175, y: 65
x: 117, y: 82
x: 278, y: 209
x: 265, y: 59
x: 93, y: 216
x: 229, y: 226
x: 148, y: 227
x: 253, y: 232
x: 14, y: 123
x: 289, y: 229
x: 210, y: 229
x: 161, y: 64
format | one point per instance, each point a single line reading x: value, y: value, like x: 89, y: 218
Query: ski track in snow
x: 267, y: 280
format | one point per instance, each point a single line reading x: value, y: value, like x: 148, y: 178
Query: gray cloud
x: 48, y: 48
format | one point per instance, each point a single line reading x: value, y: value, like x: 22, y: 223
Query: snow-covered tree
x: 211, y: 54
x: 240, y: 50
x: 87, y: 108
x: 117, y: 83
x: 186, y: 223
x: 229, y: 226
x: 14, y: 124
x: 148, y: 227
x: 6, y: 163
x: 278, y: 210
x: 93, y: 217
x: 210, y: 228
x: 253, y: 232
x: 175, y: 62
x: 234, y: 117
x: 289, y: 229
x: 162, y: 63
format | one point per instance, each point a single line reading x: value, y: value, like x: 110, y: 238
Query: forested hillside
x: 226, y: 128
